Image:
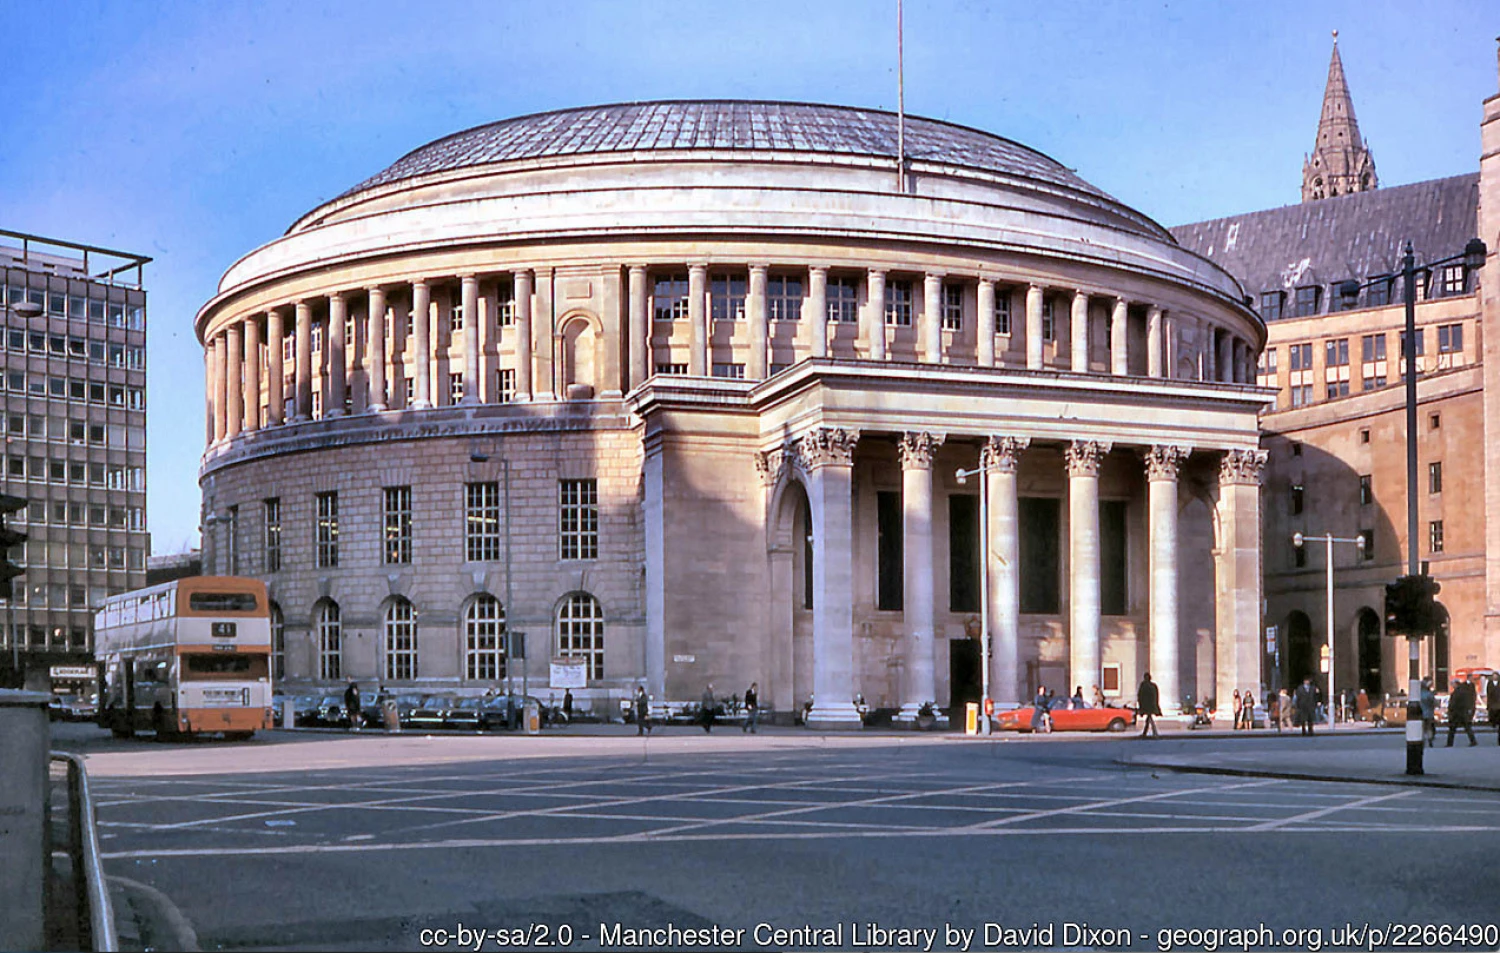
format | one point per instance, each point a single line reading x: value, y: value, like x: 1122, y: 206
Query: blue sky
x: 193, y: 132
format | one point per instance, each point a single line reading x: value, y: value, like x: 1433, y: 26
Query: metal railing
x: 94, y: 911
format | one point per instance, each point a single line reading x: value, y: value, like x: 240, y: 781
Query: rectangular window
x: 1337, y: 389
x: 726, y: 298
x: 1040, y: 552
x: 953, y: 307
x: 1296, y: 499
x: 507, y: 388
x: 482, y: 540
x: 1114, y: 595
x: 578, y: 519
x: 1378, y: 294
x: 678, y: 369
x: 1450, y: 338
x: 963, y: 553
x: 1049, y: 323
x: 729, y: 371
x: 1368, y: 550
x: 505, y: 301
x: 898, y: 303
x: 1271, y: 303
x: 1421, y: 342
x: 328, y: 529
x: 1453, y: 280
x: 1307, y: 301
x: 396, y: 518
x: 1002, y: 311
x: 843, y: 301
x: 784, y: 297
x: 888, y: 551
x: 455, y: 311
x: 1366, y: 491
x: 1301, y: 357
x: 273, y: 534
x: 1435, y: 477
x: 1336, y: 352
x: 670, y: 297
x: 1435, y: 536
x: 455, y: 388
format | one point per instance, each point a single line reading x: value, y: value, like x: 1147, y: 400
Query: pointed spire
x: 1340, y: 163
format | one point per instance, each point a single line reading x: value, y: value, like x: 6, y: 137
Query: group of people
x: 1463, y: 700
x: 707, y: 709
x: 1046, y: 702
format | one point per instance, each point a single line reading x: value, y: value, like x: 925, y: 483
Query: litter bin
x: 391, y: 716
x: 533, y: 717
x: 971, y: 718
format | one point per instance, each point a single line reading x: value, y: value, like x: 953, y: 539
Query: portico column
x: 1154, y: 342
x: 1083, y: 459
x: 421, y: 325
x: 1224, y: 364
x: 1119, y: 344
x: 817, y: 302
x: 276, y: 366
x: 1237, y: 573
x: 986, y: 302
x: 639, y: 367
x: 916, y: 451
x: 210, y: 395
x: 302, y: 375
x: 375, y: 350
x: 875, y: 315
x: 1080, y: 335
x: 1171, y: 350
x: 469, y: 295
x: 1162, y: 465
x: 221, y: 386
x: 759, y: 323
x: 333, y: 398
x: 524, y: 305
x: 1034, y: 342
x: 828, y: 454
x: 1000, y: 459
x: 931, y: 331
x: 235, y: 388
x: 252, y: 373
x: 700, y: 343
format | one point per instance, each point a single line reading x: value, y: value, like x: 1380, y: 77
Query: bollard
x: 25, y: 738
x: 288, y: 713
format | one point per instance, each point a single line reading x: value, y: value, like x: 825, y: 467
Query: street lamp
x: 962, y: 476
x: 1359, y: 543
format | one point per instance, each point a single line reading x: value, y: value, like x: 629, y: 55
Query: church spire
x: 1340, y: 163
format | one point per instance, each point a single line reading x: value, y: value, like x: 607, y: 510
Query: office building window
x: 1366, y: 491
x: 1336, y: 352
x: 455, y: 388
x: 1453, y: 280
x: 330, y: 641
x: 482, y: 540
x: 1378, y: 294
x: 328, y: 530
x: 671, y: 369
x: 580, y: 631
x: 272, y: 513
x: 1307, y: 301
x: 396, y: 517
x: 506, y: 386
x: 726, y: 297
x: 400, y: 640
x: 505, y: 303
x: 1002, y: 310
x: 729, y: 371
x: 1421, y: 342
x: 1049, y: 323
x: 898, y: 303
x: 578, y: 519
x: 1271, y: 303
x: 1300, y: 357
x: 1435, y: 477
x: 1450, y: 338
x: 1435, y: 536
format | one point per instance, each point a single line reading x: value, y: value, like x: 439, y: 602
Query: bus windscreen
x: 216, y: 665
x: 222, y: 601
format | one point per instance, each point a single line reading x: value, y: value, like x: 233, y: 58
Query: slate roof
x: 726, y: 125
x: 1330, y: 240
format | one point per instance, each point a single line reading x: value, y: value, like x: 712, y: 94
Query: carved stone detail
x: 917, y: 449
x: 1084, y: 456
x: 1003, y: 454
x: 1244, y: 467
x: 828, y: 447
x: 1164, y: 461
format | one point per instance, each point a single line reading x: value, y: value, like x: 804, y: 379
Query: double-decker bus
x: 187, y: 657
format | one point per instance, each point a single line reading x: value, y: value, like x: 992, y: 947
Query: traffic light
x: 1411, y: 606
x: 8, y: 538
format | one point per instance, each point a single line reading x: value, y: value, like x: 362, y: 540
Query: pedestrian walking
x: 1238, y: 710
x: 1273, y: 709
x: 642, y: 711
x: 351, y: 705
x: 1461, y: 711
x: 1492, y: 704
x: 1428, y: 701
x: 1098, y: 698
x: 1047, y: 712
x: 706, y: 706
x: 752, y: 707
x: 1039, y: 710
x: 1306, y: 702
x: 1148, y: 705
x: 567, y: 706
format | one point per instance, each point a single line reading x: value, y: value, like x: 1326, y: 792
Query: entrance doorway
x: 965, y: 680
x: 1301, y: 658
x: 1369, y: 653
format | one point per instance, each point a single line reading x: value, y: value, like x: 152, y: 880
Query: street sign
x: 1270, y: 640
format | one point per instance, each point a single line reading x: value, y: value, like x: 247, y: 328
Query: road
x: 330, y: 842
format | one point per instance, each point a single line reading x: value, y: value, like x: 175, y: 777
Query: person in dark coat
x: 706, y: 708
x: 1305, y: 700
x: 1492, y: 704
x: 752, y: 708
x: 351, y: 705
x: 1461, y: 711
x: 1148, y: 705
x: 642, y: 711
x: 567, y: 706
x: 1039, y: 709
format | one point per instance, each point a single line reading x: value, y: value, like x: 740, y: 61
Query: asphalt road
x: 365, y: 843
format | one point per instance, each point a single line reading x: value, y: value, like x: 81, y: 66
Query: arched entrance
x: 789, y: 646
x: 1301, y: 655
x: 1367, y: 629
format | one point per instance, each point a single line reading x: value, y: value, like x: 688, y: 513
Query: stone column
x: 333, y: 397
x: 930, y: 331
x: 817, y: 302
x: 235, y: 388
x: 700, y: 343
x: 375, y: 396
x: 302, y: 375
x: 916, y: 451
x: 1162, y: 465
x: 276, y: 366
x: 986, y: 299
x: 654, y: 572
x: 828, y: 455
x: 210, y: 397
x: 1034, y: 327
x: 252, y: 373
x: 524, y: 299
x: 640, y: 326
x: 1083, y: 459
x: 1001, y: 458
x: 1171, y: 345
x: 1080, y: 332
x: 1223, y: 362
x: 760, y: 324
x: 421, y: 325
x: 1119, y: 339
x: 221, y: 387
x: 469, y: 295
x: 1238, y: 573
x: 875, y: 315
x: 1154, y: 356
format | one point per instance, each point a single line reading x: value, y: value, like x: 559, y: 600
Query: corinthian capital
x: 918, y: 449
x: 828, y: 447
x: 1163, y: 461
x: 1083, y: 457
x: 1242, y: 467
x: 1003, y: 453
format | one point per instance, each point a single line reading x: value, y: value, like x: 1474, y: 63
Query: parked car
x: 329, y: 712
x: 431, y: 713
x: 73, y: 708
x: 372, y: 709
x: 304, y: 711
x: 1086, y: 718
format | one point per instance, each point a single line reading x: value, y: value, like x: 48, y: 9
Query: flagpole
x: 900, y: 104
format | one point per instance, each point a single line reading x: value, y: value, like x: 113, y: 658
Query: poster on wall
x: 569, y: 673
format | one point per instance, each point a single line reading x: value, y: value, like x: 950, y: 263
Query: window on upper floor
x: 505, y: 303
x: 953, y: 307
x: 1421, y: 342
x: 843, y: 301
x: 1378, y: 294
x: 1295, y: 499
x: 784, y: 297
x: 1435, y: 477
x: 1452, y: 280
x: 1336, y: 352
x: 1271, y: 305
x: 726, y: 297
x: 1307, y: 301
x: 1450, y: 338
x: 1002, y: 310
x: 1435, y: 536
x: 1300, y: 357
x: 669, y: 297
x: 898, y: 303
x: 578, y: 519
x: 1366, y: 490
x: 1049, y: 321
x: 1372, y: 347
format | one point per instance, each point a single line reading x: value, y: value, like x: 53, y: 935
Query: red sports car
x: 1067, y: 718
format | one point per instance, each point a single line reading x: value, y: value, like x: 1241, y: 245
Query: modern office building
x: 682, y: 388
x: 73, y: 379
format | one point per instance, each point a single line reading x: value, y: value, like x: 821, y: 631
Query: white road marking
x: 1324, y: 812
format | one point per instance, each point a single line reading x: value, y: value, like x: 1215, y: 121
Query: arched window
x: 330, y: 640
x: 484, y: 640
x: 278, y: 643
x: 580, y: 631
x: 400, y: 641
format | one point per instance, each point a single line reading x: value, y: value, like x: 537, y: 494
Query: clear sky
x: 193, y: 132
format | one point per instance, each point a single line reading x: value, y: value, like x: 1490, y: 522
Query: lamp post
x: 962, y: 476
x: 1329, y: 539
